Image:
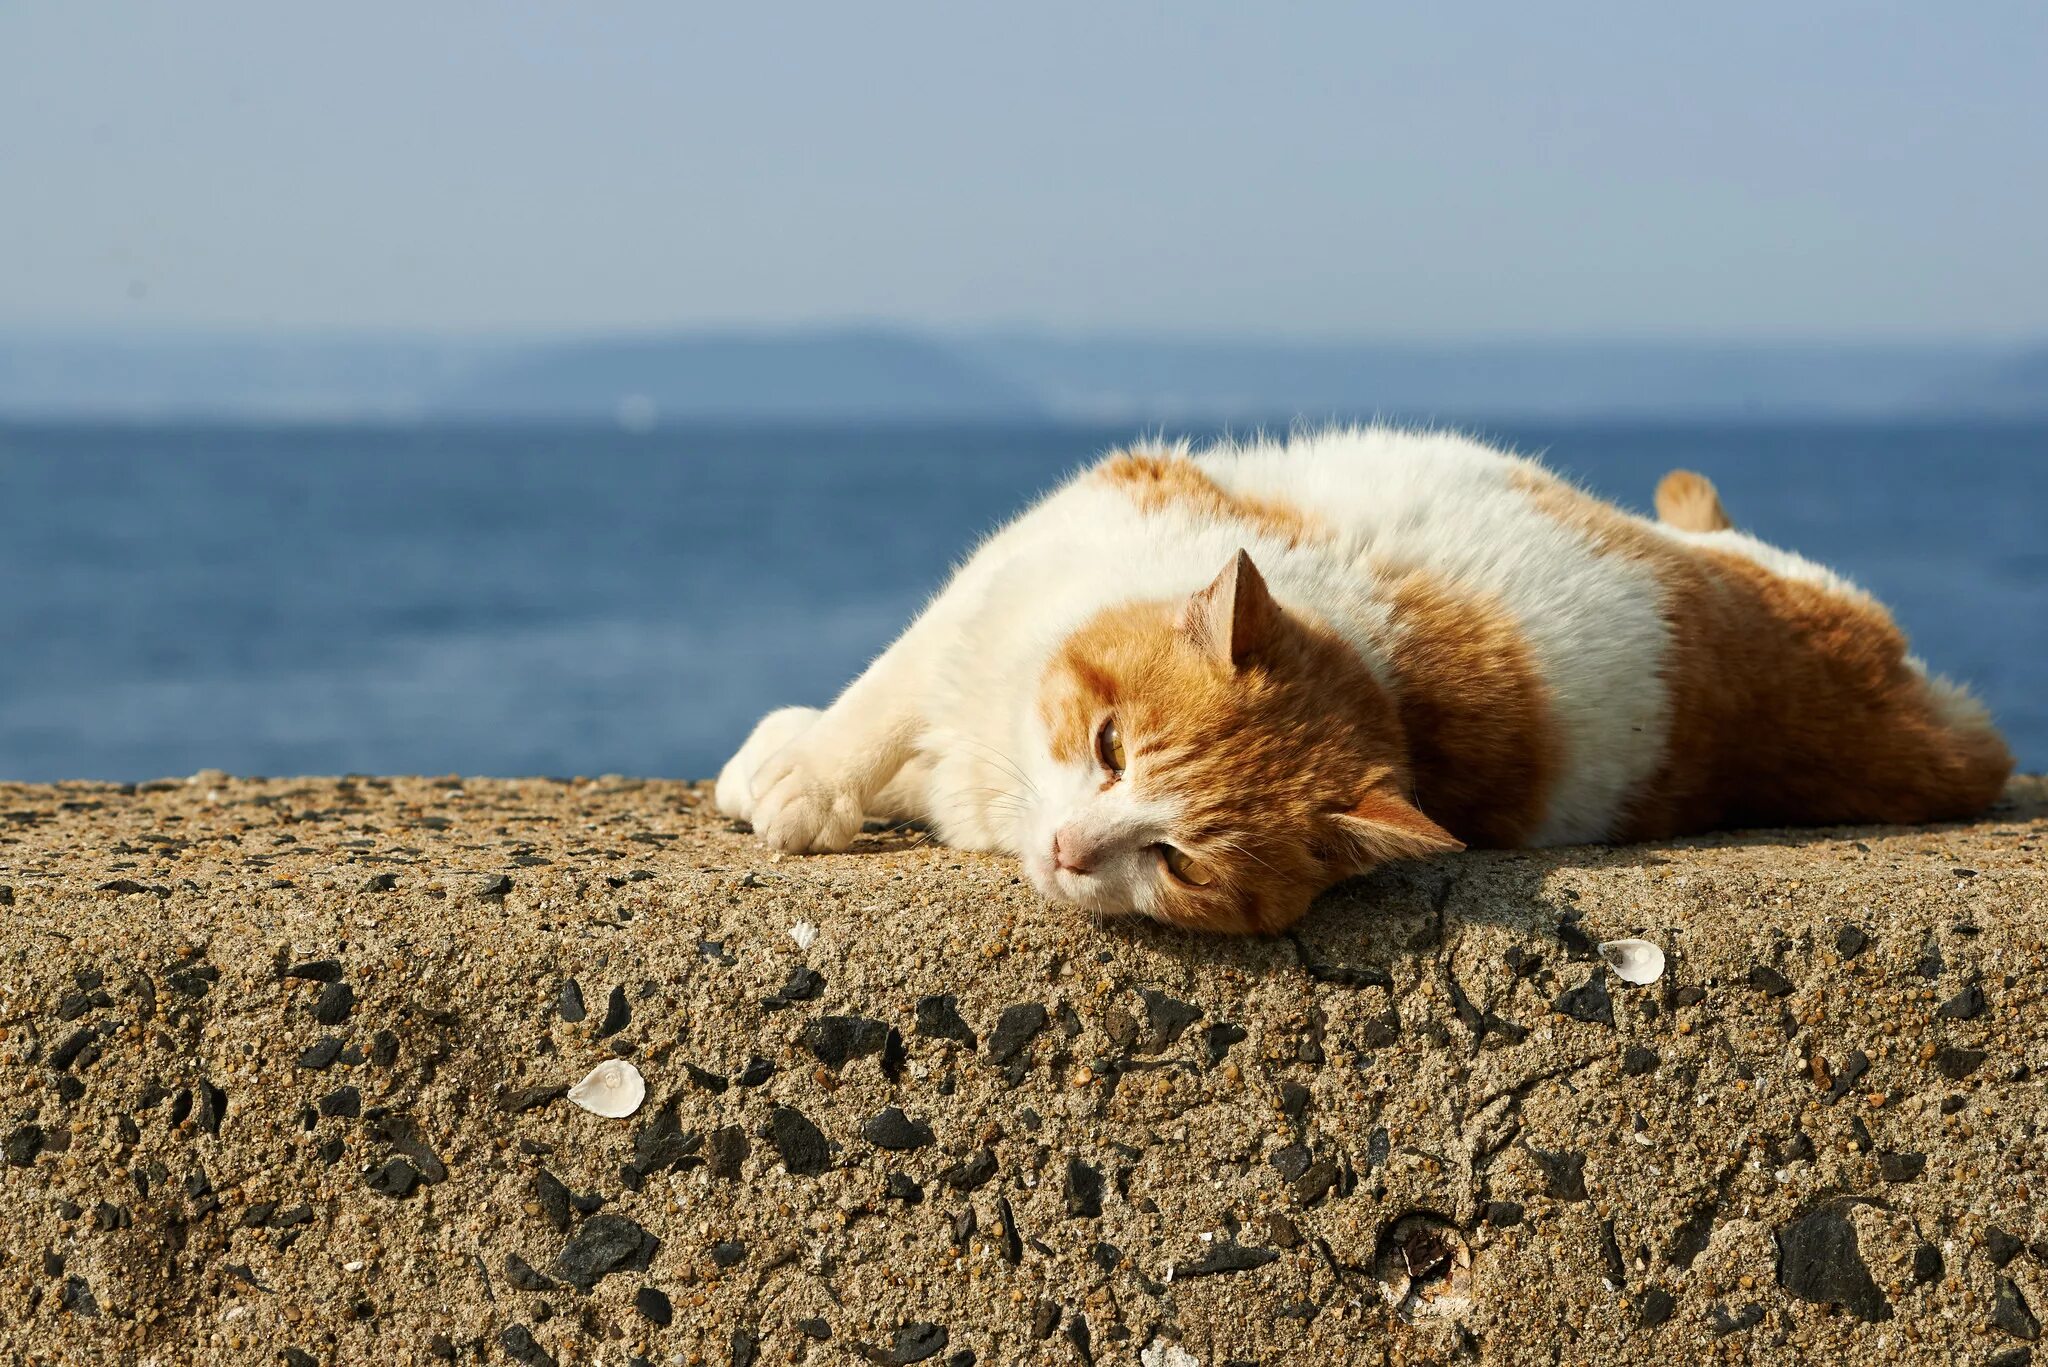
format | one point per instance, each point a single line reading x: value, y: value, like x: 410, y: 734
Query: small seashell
x: 1634, y: 961
x: 803, y: 932
x: 613, y: 1089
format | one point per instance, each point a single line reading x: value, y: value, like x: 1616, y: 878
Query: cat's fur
x: 1415, y: 642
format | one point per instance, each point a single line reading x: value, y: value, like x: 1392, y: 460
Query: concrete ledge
x: 283, y: 1061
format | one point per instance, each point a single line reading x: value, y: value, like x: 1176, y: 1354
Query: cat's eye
x: 1187, y: 869
x: 1109, y: 746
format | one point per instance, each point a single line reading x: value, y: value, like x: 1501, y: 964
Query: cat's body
x: 1415, y: 621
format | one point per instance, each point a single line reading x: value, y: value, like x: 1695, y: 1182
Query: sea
x: 561, y: 601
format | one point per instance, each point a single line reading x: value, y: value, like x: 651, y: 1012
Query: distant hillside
x: 1143, y: 378
x: 879, y: 374
x: 741, y: 375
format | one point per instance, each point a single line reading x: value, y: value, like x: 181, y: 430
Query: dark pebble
x: 1588, y: 1002
x: 1967, y: 1004
x: 1850, y: 942
x: 970, y: 1175
x: 519, y: 1345
x: 322, y: 1054
x: 1045, y: 1317
x: 1736, y: 1322
x: 1930, y: 964
x: 24, y: 1144
x: 938, y: 1017
x: 1226, y: 1258
x: 1818, y: 1261
x: 77, y: 1298
x: 442, y: 1347
x: 1218, y: 1038
x: 2002, y: 1247
x: 395, y: 1178
x: 1166, y: 1018
x: 837, y: 1039
x: 552, y: 1195
x: 2011, y: 1357
x: 380, y: 882
x: 715, y: 952
x: 569, y: 1002
x: 1121, y: 1027
x: 1077, y: 1334
x: 74, y: 1044
x: 1293, y: 1101
x: 917, y: 1341
x: 1853, y: 1068
x: 1083, y: 1190
x: 662, y: 1144
x: 1108, y: 1257
x: 1928, y: 1265
x: 729, y: 1252
x: 2011, y: 1313
x: 1015, y: 1029
x: 603, y: 1245
x: 528, y: 1098
x: 805, y: 984
x: 964, y: 1225
x: 1316, y: 1181
x: 1956, y: 1064
x: 757, y: 1071
x: 497, y: 886
x: 520, y: 1273
x: 1639, y: 1059
x: 617, y: 1014
x: 1769, y: 981
x: 1689, y: 996
x: 1280, y: 1231
x: 1492, y: 1026
x: 727, y: 1147
x: 1901, y: 1167
x: 654, y: 1307
x: 345, y: 1102
x: 1012, y: 1245
x: 715, y: 1083
x: 1503, y: 1214
x: 384, y: 1048
x: 814, y: 1327
x: 905, y: 1189
x: 891, y: 1129
x: 1290, y: 1161
x: 800, y: 1144
x: 1564, y: 1172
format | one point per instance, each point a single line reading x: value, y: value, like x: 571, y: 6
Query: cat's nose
x: 1070, y: 853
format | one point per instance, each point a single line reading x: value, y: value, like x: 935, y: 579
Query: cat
x: 1415, y: 643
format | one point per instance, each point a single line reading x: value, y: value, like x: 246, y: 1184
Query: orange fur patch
x: 1258, y: 760
x: 1482, y: 743
x: 1791, y: 704
x: 1157, y: 480
x: 1689, y: 502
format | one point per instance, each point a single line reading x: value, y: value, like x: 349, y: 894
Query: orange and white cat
x: 1415, y: 643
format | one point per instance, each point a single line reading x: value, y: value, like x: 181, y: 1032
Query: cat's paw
x: 737, y: 795
x: 801, y: 812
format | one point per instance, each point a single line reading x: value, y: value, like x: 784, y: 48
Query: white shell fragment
x: 803, y: 932
x: 1634, y: 961
x: 613, y: 1089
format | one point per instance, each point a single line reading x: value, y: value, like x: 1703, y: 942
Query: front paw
x: 738, y: 790
x: 799, y: 812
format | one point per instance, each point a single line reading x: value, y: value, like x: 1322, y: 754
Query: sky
x: 1740, y: 170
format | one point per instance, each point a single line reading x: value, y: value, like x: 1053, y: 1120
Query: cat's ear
x: 1384, y: 825
x: 1235, y: 616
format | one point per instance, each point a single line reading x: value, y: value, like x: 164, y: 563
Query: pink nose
x: 1071, y: 853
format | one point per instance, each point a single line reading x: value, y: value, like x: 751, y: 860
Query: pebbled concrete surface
x: 283, y: 1060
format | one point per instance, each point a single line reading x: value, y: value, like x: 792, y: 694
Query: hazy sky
x: 1735, y: 169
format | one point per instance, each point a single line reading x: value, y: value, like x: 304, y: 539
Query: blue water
x: 279, y: 601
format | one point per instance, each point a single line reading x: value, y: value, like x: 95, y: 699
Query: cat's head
x: 1214, y: 763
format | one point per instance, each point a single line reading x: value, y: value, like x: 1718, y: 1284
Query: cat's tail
x: 1689, y: 502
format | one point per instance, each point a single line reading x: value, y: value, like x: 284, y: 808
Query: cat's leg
x: 812, y: 794
x: 1689, y: 502
x: 736, y: 780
